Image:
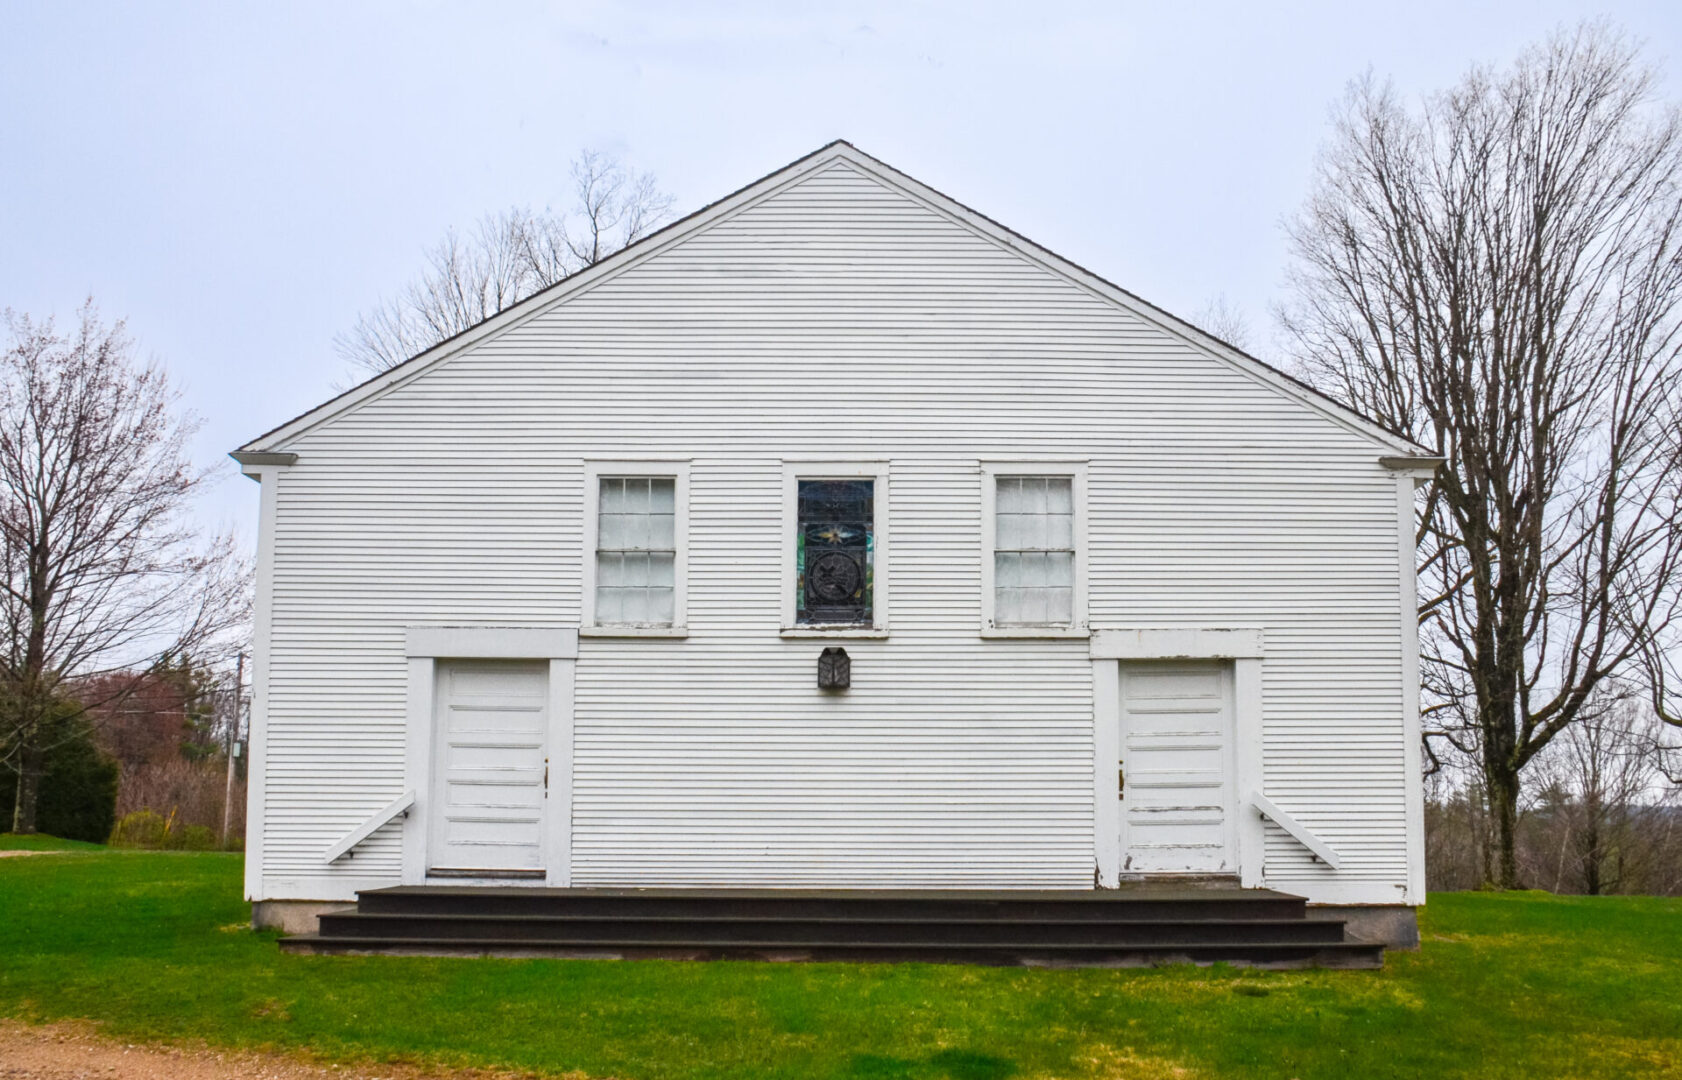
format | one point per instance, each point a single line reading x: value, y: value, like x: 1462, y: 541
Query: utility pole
x: 233, y: 743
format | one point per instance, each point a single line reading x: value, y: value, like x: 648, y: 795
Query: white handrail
x: 399, y: 805
x: 1320, y: 849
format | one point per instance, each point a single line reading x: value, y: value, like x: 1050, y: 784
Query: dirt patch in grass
x: 1124, y: 1063
x: 71, y: 1051
x: 43, y: 842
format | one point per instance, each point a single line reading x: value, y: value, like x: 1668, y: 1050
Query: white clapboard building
x: 1096, y: 597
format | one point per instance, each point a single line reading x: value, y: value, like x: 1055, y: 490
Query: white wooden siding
x: 837, y: 318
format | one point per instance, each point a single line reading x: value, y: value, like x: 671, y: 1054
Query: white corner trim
x: 491, y: 642
x: 1106, y: 759
x: 796, y: 470
x: 557, y: 826
x: 379, y: 818
x: 1412, y: 738
x: 991, y: 470
x: 677, y: 469
x: 1249, y: 768
x: 417, y: 765
x: 1320, y: 849
x: 1176, y: 644
x: 262, y: 631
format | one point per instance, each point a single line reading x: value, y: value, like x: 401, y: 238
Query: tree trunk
x: 1503, y: 798
x: 1483, y: 813
x: 30, y: 765
x: 1592, y: 844
x: 1494, y: 273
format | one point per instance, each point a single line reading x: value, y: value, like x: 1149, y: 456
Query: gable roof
x: 839, y: 150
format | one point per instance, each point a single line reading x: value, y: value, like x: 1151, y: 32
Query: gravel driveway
x: 75, y: 1052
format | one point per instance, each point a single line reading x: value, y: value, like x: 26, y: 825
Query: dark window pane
x: 835, y: 552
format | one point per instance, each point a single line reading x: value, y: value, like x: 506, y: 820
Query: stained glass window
x: 1034, y: 551
x: 636, y: 551
x: 835, y: 552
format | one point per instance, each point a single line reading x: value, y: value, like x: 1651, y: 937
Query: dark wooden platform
x: 1135, y: 926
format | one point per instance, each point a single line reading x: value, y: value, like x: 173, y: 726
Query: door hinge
x: 1121, y: 782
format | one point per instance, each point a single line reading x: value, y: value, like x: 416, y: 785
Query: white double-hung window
x: 1034, y: 565
x: 635, y: 554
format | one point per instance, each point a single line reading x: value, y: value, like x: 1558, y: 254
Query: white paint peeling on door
x: 1179, y: 803
x: 490, y: 766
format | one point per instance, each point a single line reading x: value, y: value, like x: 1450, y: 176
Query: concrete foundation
x: 1395, y: 926
x: 293, y: 916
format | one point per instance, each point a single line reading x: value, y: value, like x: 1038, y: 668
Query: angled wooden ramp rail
x: 398, y: 806
x: 1299, y: 832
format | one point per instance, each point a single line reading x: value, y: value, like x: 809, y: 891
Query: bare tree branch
x: 1498, y: 273
x: 508, y: 257
x: 98, y: 568
x: 1226, y: 321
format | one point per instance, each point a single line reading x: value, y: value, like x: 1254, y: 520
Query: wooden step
x: 1014, y: 931
x: 1152, y: 924
x: 1324, y: 954
x: 1156, y: 903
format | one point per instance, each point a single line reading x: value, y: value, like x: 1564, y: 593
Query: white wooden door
x: 490, y: 771
x: 1176, y: 769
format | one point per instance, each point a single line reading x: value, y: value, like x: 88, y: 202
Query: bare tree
x: 98, y: 569
x: 1498, y: 273
x: 508, y: 257
x: 1602, y: 774
x: 1226, y: 320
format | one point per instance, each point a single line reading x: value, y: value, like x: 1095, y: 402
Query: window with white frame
x: 1036, y: 579
x: 835, y: 552
x: 835, y: 548
x: 636, y: 552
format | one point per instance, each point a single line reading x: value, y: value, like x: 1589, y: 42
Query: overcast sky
x: 238, y: 182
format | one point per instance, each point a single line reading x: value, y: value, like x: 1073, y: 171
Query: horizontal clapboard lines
x: 838, y: 319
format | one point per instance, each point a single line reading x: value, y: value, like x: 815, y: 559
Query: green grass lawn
x: 155, y: 946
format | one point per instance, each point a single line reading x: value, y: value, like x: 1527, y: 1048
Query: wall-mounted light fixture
x: 835, y: 669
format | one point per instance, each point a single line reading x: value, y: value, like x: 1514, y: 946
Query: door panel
x: 490, y: 775
x: 1177, y: 758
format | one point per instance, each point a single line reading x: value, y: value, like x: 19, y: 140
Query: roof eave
x: 257, y: 457
x: 1418, y: 466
